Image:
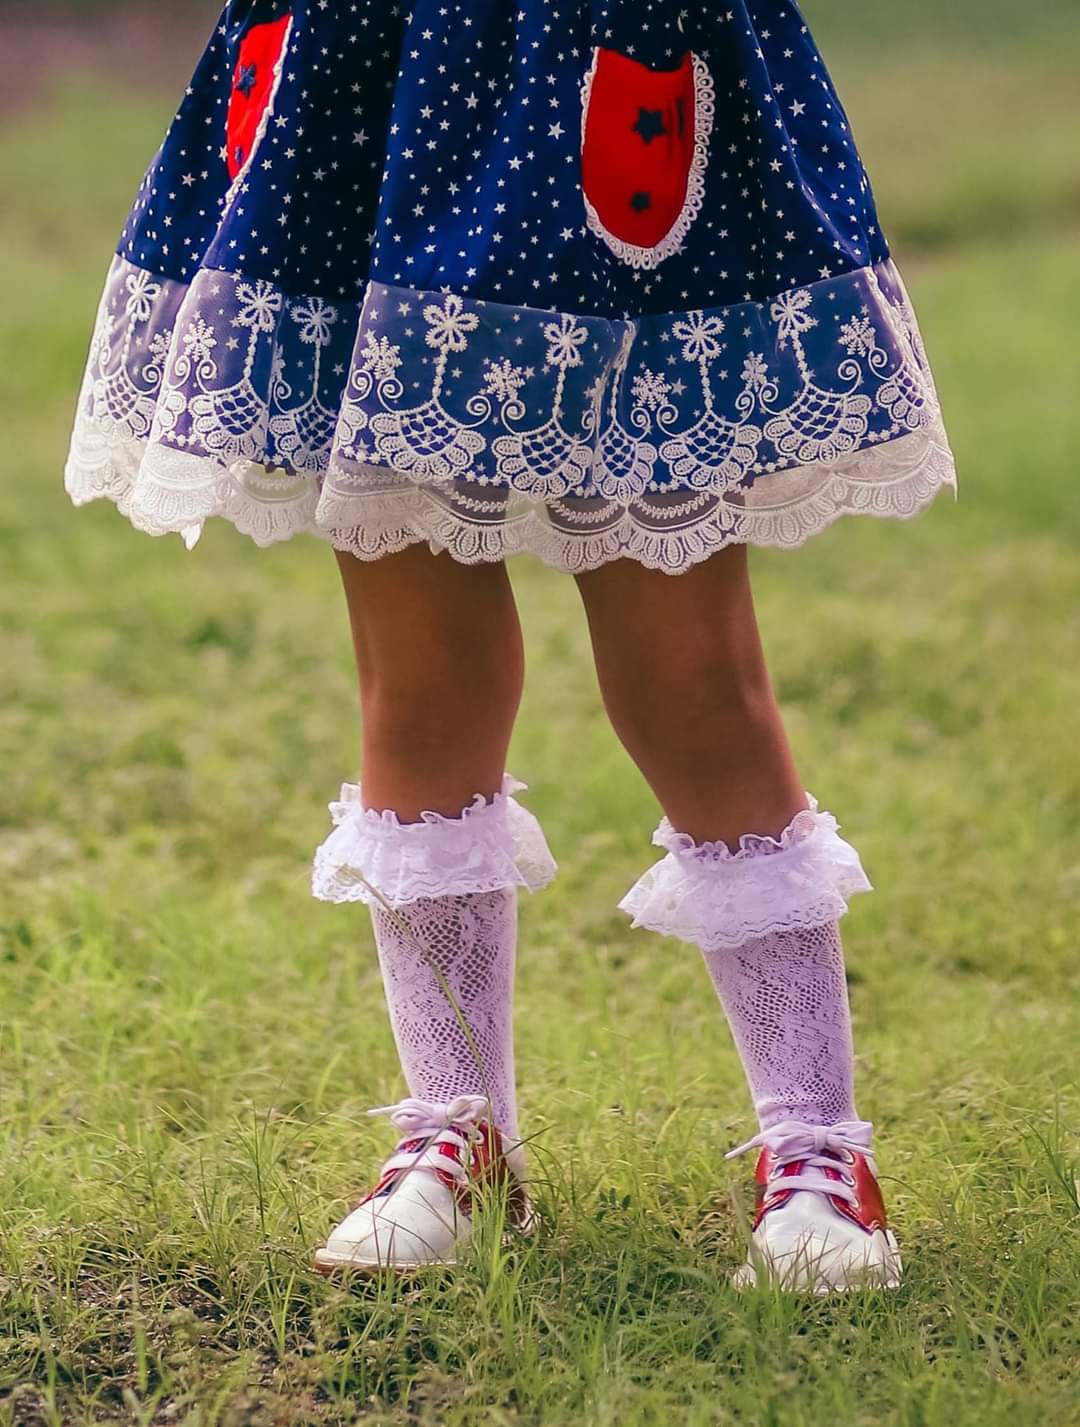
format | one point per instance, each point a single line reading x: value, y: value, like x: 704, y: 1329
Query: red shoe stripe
x: 487, y: 1165
x: 868, y: 1211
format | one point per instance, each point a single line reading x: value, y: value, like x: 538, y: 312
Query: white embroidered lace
x: 489, y: 846
x: 226, y: 397
x: 714, y: 898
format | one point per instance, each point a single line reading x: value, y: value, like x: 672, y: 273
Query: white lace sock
x: 765, y: 918
x: 470, y: 941
x: 453, y: 882
x: 786, y: 1001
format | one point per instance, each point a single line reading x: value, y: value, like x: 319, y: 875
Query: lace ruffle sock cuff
x: 373, y: 857
x: 718, y: 899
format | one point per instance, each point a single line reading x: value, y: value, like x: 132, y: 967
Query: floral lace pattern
x: 785, y: 998
x: 718, y: 899
x: 466, y: 943
x: 486, y: 429
x: 372, y: 855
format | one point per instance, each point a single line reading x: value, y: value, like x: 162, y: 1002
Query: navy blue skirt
x: 592, y: 282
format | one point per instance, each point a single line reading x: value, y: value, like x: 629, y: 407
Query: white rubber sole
x: 331, y: 1264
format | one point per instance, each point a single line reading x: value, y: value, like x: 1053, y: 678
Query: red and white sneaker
x: 421, y: 1209
x: 820, y: 1225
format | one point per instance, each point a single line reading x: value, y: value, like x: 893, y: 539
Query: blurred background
x: 181, y: 1021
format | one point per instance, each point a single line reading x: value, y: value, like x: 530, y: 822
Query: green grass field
x: 188, y: 1043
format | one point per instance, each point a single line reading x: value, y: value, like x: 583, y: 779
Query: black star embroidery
x: 245, y: 80
x: 640, y: 202
x: 650, y: 124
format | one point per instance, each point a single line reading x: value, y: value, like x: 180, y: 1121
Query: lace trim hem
x: 718, y: 899
x: 165, y: 492
x: 487, y: 430
x: 373, y: 857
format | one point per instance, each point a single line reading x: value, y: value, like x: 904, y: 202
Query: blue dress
x: 591, y: 281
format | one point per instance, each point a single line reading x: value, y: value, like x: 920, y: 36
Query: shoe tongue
x: 808, y: 1175
x: 819, y: 1172
x: 439, y: 1142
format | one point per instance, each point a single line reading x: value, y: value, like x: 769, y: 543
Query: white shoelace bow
x: 452, y: 1121
x: 816, y: 1146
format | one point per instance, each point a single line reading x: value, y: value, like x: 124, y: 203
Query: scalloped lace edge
x: 896, y: 479
x: 801, y: 827
x: 373, y: 857
x: 718, y: 903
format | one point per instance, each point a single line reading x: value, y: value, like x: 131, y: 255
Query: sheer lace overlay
x: 489, y: 846
x: 717, y: 899
x: 488, y: 430
x: 471, y: 940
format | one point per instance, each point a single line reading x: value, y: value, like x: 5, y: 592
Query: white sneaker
x: 421, y: 1209
x: 820, y: 1225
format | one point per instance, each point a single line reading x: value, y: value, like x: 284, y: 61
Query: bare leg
x: 683, y: 678
x: 439, y: 654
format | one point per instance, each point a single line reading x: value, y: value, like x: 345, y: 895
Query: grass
x: 188, y: 1044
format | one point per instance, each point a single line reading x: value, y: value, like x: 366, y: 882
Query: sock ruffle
x: 489, y: 845
x: 718, y: 899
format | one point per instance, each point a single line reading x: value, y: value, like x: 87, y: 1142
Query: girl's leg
x: 440, y: 660
x: 683, y: 678
x: 437, y: 846
x: 753, y: 876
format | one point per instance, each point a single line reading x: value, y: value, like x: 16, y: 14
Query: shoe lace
x: 816, y: 1148
x: 451, y: 1122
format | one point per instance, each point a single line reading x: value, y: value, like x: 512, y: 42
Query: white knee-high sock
x: 461, y: 1043
x: 765, y: 918
x: 443, y: 898
x: 785, y: 997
